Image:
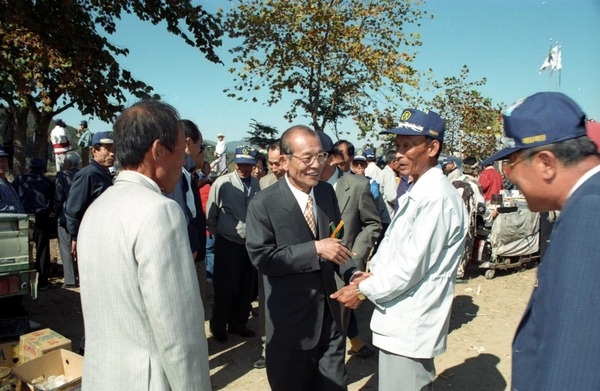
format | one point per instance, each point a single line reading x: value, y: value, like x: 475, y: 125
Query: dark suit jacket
x: 362, y: 224
x: 297, y: 282
x: 557, y: 345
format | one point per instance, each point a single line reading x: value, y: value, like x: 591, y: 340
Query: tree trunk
x: 20, y: 140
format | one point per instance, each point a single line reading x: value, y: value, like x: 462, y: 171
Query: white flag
x: 553, y: 61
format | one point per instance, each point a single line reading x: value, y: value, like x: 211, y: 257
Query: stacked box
x: 40, y: 342
x: 56, y: 363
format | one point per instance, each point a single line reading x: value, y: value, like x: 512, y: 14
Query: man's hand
x: 333, y: 250
x: 347, y: 296
x: 74, y: 248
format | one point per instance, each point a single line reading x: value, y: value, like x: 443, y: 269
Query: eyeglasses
x: 310, y: 159
x: 521, y: 159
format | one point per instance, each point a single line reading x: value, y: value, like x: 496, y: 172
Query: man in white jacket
x: 414, y: 269
x: 141, y: 303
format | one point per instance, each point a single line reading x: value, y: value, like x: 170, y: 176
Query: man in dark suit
x: 557, y: 167
x: 305, y: 343
x: 362, y: 224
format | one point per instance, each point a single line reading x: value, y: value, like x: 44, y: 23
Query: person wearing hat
x: 557, y: 167
x: 470, y: 190
x: 221, y: 154
x: 36, y: 192
x: 233, y: 273
x: 358, y: 166
x: 9, y: 199
x: 362, y: 223
x: 60, y: 142
x: 372, y: 170
x: 89, y: 183
x: 63, y: 182
x: 85, y: 141
x: 414, y: 270
x: 451, y: 170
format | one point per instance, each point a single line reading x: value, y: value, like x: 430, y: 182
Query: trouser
x: 318, y: 369
x: 64, y: 247
x: 60, y: 160
x: 233, y: 278
x: 42, y: 246
x: 414, y: 374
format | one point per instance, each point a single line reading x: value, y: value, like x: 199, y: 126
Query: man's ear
x: 546, y: 164
x: 283, y: 160
x: 157, y: 150
x: 434, y: 147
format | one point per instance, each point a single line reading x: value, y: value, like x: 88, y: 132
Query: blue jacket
x: 557, y: 345
x: 88, y: 184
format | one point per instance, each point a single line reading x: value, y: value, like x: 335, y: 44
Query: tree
x: 53, y: 58
x: 473, y: 125
x: 338, y: 57
x: 261, y: 135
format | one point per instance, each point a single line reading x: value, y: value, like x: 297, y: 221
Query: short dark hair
x: 390, y: 156
x: 139, y: 126
x: 348, y: 144
x: 275, y: 145
x: 190, y: 130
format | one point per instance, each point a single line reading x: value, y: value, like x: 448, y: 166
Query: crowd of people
x: 311, y: 229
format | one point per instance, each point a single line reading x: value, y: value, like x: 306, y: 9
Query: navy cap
x: 326, y: 142
x: 2, y: 152
x: 37, y: 163
x: 360, y: 155
x: 84, y: 123
x: 419, y: 123
x: 60, y: 122
x: 369, y: 153
x: 102, y: 138
x: 541, y: 119
x: 245, y: 155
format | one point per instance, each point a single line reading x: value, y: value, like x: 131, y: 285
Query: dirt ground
x: 485, y: 315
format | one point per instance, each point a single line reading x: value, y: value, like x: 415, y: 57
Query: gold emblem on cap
x: 405, y: 115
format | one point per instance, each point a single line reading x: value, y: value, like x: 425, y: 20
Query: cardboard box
x: 40, y: 342
x: 9, y: 353
x: 55, y: 363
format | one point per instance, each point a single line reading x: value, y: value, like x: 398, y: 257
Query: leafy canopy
x: 337, y: 58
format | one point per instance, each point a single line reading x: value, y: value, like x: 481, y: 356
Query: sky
x: 505, y: 41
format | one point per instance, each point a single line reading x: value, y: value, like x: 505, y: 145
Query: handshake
x: 350, y: 296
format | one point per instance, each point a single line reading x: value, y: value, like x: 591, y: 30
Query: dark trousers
x: 318, y: 369
x: 233, y: 279
x: 43, y: 226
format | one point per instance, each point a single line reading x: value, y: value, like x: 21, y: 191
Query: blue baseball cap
x: 245, y: 155
x: 326, y: 142
x: 37, y: 163
x: 102, y: 138
x: 541, y: 119
x: 369, y: 153
x: 415, y: 122
x: 3, y: 152
x: 360, y: 155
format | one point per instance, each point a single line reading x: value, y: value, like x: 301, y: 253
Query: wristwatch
x: 359, y: 294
